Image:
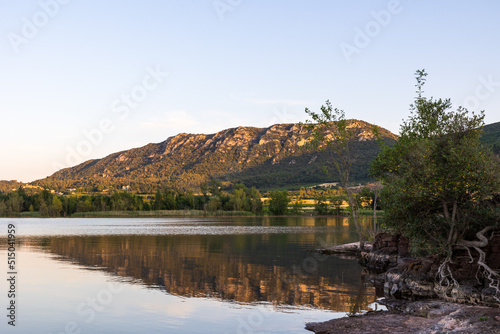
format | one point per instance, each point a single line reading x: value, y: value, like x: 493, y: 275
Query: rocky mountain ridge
x: 242, y: 153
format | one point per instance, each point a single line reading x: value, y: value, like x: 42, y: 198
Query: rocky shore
x: 412, y: 291
x: 422, y: 317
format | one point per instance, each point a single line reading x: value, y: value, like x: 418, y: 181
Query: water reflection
x: 255, y: 267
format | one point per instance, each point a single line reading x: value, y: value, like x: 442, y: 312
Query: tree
x: 437, y: 180
x: 3, y: 208
x: 158, y: 203
x: 57, y: 207
x: 376, y: 189
x: 214, y: 187
x: 44, y: 209
x: 214, y: 204
x: 321, y: 206
x: 337, y: 202
x: 14, y: 204
x: 365, y: 197
x: 331, y: 131
x: 239, y: 199
x: 255, y: 200
x: 278, y: 205
x: 296, y: 207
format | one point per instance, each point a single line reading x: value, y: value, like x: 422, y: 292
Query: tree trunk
x: 355, y: 220
x: 375, y: 227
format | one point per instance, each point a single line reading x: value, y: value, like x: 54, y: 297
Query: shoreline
x: 168, y: 214
x: 416, y: 314
x: 412, y: 317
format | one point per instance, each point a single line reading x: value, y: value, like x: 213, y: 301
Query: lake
x: 179, y: 275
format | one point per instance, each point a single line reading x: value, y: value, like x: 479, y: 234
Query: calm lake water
x: 179, y: 275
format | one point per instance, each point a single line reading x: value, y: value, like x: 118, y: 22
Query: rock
x: 415, y: 278
x: 423, y: 317
x: 399, y: 275
x: 350, y: 249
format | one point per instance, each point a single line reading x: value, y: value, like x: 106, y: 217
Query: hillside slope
x: 491, y: 136
x: 271, y: 157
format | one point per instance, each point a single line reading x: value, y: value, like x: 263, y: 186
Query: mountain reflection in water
x: 271, y: 267
x: 233, y: 268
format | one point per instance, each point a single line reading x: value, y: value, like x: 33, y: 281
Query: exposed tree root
x: 446, y: 283
x: 449, y: 286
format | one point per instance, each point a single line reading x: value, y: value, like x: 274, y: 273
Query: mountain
x: 266, y: 158
x: 491, y: 136
x: 6, y: 186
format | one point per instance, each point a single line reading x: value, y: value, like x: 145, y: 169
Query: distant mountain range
x: 267, y: 158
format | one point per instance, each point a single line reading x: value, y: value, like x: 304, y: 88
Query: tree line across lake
x: 211, y: 198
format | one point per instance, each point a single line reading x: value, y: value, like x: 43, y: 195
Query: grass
x: 160, y: 213
x: 304, y: 210
x: 29, y: 214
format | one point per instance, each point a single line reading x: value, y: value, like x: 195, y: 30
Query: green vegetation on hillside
x: 491, y: 137
x: 268, y: 158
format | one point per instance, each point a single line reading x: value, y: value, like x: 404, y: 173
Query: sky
x: 81, y: 79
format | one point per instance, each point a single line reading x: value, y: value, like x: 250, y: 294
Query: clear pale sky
x: 82, y: 79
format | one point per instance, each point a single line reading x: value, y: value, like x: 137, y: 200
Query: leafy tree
x: 214, y: 187
x: 14, y: 204
x: 337, y: 202
x: 437, y: 174
x: 159, y: 204
x: 278, y: 205
x: 204, y: 188
x: 239, y: 200
x: 214, y: 204
x: 296, y: 207
x: 438, y: 178
x: 321, y: 206
x: 333, y: 132
x: 254, y: 197
x: 3, y: 208
x: 190, y: 200
x: 365, y: 196
x: 44, y: 209
x: 170, y: 201
x: 57, y: 207
x: 84, y: 204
